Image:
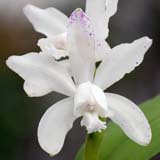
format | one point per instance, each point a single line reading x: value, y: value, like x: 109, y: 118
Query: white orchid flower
x: 43, y: 74
x: 53, y: 24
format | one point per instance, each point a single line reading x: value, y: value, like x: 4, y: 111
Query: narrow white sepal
x: 42, y: 74
x: 122, y: 60
x: 48, y: 21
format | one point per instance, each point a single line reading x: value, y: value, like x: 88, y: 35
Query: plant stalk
x: 92, y: 143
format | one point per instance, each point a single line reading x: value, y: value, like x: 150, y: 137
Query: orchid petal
x: 48, y: 21
x: 54, y: 46
x: 123, y: 59
x: 42, y: 74
x: 101, y: 50
x: 54, y: 126
x: 100, y: 12
x: 66, y: 65
x: 111, y: 7
x: 81, y: 47
x: 130, y: 118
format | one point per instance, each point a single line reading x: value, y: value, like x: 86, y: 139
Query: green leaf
x: 80, y: 155
x: 117, y: 146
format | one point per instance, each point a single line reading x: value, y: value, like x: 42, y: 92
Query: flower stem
x: 91, y: 146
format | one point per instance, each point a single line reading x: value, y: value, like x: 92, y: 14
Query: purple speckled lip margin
x: 80, y: 18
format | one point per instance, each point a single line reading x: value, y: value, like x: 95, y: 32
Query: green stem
x: 91, y: 146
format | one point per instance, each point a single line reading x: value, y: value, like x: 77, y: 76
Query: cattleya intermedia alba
x: 82, y: 41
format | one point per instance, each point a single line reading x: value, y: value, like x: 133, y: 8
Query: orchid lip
x: 90, y: 103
